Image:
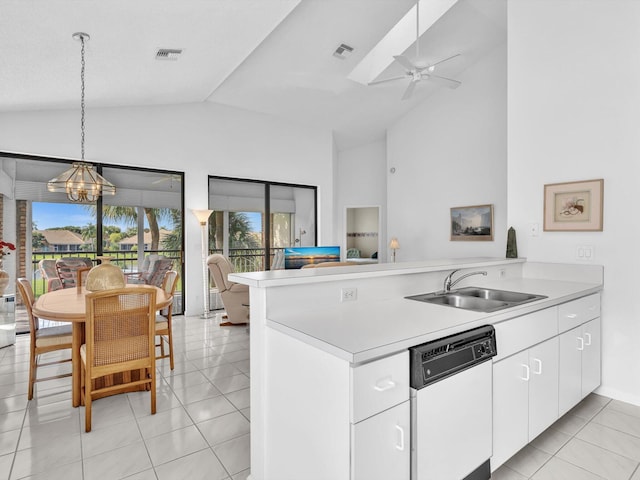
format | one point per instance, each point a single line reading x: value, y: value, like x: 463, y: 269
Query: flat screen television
x: 296, y: 257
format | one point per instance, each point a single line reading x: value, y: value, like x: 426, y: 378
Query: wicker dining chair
x: 42, y: 340
x: 163, y: 319
x: 120, y: 334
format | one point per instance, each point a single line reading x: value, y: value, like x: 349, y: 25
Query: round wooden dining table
x: 68, y: 305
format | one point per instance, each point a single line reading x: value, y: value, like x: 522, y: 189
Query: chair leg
x: 86, y: 389
x: 170, y: 347
x: 153, y: 391
x: 32, y: 374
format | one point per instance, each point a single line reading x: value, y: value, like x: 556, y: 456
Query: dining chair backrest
x: 28, y: 298
x: 119, y: 337
x: 170, y: 282
x: 120, y: 326
x: 68, y: 267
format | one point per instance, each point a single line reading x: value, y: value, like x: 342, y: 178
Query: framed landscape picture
x: 473, y: 223
x: 574, y: 206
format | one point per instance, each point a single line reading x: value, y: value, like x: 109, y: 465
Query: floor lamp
x: 203, y: 217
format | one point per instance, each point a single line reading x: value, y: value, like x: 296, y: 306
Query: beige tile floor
x: 598, y: 439
x: 201, y: 429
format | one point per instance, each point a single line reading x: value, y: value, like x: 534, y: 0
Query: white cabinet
x: 381, y: 445
x: 579, y: 364
x: 510, y: 407
x: 525, y: 398
x: 380, y: 419
x: 543, y: 386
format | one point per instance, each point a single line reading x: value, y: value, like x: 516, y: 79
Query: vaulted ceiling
x: 269, y: 56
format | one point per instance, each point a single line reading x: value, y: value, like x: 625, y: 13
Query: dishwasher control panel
x: 438, y: 359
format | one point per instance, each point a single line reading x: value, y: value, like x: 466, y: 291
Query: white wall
x: 574, y: 96
x: 361, y: 181
x: 199, y: 139
x: 450, y: 151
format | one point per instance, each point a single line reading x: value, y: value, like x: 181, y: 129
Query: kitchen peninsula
x: 327, y: 375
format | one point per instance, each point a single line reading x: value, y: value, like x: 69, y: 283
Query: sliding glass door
x: 144, y: 217
x: 254, y: 220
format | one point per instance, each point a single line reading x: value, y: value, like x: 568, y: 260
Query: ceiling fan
x: 415, y: 71
x: 168, y: 178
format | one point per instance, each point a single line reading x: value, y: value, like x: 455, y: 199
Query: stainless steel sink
x: 477, y: 299
x: 502, y: 295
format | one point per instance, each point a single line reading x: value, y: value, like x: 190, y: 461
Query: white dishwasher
x: 451, y: 426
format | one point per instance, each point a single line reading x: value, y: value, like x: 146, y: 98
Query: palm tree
x: 239, y: 231
x: 129, y: 215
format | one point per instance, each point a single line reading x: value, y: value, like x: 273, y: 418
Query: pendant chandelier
x: 81, y: 182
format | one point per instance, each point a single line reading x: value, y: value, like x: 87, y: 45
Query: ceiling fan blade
x: 404, y: 61
x: 449, y: 82
x: 384, y: 80
x: 409, y: 91
x: 444, y: 60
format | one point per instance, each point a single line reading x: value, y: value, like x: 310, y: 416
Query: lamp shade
x: 393, y: 244
x: 202, y: 215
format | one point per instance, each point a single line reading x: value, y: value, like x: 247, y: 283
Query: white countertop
x: 275, y: 278
x: 359, y: 332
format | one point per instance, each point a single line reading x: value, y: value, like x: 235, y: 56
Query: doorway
x: 362, y: 234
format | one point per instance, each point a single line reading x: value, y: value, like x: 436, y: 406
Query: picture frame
x: 472, y: 224
x: 574, y: 206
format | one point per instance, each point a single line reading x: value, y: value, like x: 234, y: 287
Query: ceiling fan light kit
x: 415, y: 72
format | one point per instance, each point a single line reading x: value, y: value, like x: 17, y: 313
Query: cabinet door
x: 510, y: 406
x: 543, y: 386
x: 570, y: 371
x: 591, y: 357
x: 381, y: 445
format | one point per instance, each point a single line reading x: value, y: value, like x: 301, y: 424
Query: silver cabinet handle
x: 400, y: 445
x: 526, y: 372
x: 581, y: 340
x: 588, y: 337
x: 384, y: 384
x: 538, y: 363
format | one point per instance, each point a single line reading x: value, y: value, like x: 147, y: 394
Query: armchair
x: 47, y: 267
x: 153, y: 271
x: 68, y: 267
x: 235, y: 296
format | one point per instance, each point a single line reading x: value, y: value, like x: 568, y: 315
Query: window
x: 253, y: 220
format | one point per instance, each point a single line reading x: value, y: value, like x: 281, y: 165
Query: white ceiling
x: 270, y: 56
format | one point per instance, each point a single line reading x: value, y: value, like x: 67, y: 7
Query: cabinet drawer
x: 518, y: 333
x: 379, y: 385
x: 577, y: 312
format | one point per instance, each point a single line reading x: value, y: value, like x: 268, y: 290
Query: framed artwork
x: 474, y: 224
x: 574, y: 206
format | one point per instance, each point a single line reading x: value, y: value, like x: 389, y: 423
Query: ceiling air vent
x: 343, y: 51
x: 168, y: 53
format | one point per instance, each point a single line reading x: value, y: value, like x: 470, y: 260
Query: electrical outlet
x: 584, y: 252
x: 348, y: 294
x: 502, y: 273
x: 534, y: 229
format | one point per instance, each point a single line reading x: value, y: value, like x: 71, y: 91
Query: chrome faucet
x: 449, y: 283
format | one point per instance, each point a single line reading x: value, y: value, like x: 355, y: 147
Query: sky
x: 51, y: 215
